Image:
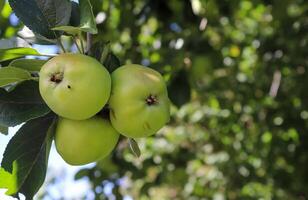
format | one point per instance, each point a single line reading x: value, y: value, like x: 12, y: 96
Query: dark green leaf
x: 81, y: 173
x: 10, y: 75
x: 13, y: 53
x: 4, y: 130
x: 75, y: 15
x: 24, y: 164
x: 21, y: 104
x: 179, y: 89
x: 112, y: 62
x: 42, y: 15
x: 134, y: 147
x: 31, y: 65
x: 96, y: 50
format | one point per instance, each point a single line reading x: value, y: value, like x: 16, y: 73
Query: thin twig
x: 47, y: 55
x: 89, y: 41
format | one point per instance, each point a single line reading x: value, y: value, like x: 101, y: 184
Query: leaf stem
x: 81, y: 42
x: 75, y: 41
x: 61, y: 45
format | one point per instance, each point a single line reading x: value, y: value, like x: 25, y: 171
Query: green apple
x: 139, y: 103
x: 74, y: 86
x: 80, y: 142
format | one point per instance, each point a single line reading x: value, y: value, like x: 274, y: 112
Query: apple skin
x: 131, y: 111
x: 74, y: 86
x: 80, y: 142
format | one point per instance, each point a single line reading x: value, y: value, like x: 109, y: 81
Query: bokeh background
x: 236, y: 73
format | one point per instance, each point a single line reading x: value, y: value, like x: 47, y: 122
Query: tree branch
x: 275, y: 84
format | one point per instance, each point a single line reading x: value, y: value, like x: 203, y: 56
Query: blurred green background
x: 236, y: 72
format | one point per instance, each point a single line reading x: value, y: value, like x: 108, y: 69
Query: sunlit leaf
x: 71, y: 30
x: 13, y: 53
x: 10, y: 75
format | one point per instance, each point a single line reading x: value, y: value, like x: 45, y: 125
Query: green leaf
x: 4, y: 130
x: 10, y: 75
x: 71, y: 30
x: 87, y: 21
x: 24, y: 164
x: 42, y: 15
x: 179, y: 89
x: 22, y: 104
x: 31, y: 65
x: 19, y: 52
x: 134, y: 147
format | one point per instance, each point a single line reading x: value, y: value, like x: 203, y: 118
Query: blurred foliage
x: 236, y: 72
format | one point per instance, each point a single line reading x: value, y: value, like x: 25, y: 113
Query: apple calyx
x: 151, y: 100
x: 56, y: 77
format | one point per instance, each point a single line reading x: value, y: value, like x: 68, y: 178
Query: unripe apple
x: 139, y: 104
x: 74, y: 86
x: 80, y: 142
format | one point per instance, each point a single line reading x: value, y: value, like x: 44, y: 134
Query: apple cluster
x: 77, y: 88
